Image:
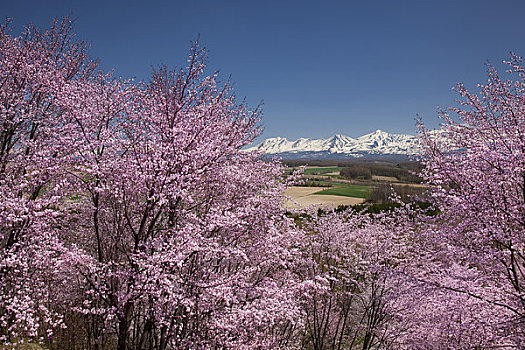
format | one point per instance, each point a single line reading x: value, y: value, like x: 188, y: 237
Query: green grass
x: 346, y: 190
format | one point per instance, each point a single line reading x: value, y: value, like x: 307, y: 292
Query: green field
x: 346, y: 190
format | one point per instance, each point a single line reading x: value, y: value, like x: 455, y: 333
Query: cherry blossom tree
x: 131, y: 219
x: 180, y: 238
x: 349, y: 291
x: 473, y: 253
x: 30, y: 66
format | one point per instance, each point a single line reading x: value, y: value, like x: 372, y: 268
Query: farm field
x: 325, y: 186
x: 332, y: 195
x: 346, y: 190
x: 306, y: 196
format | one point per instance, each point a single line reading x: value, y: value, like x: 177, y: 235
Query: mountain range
x: 373, y: 145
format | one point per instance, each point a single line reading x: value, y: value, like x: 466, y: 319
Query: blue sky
x: 321, y: 67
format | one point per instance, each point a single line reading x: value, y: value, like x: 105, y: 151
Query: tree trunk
x: 123, y: 327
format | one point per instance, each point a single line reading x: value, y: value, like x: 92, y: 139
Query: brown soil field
x: 384, y: 178
x: 304, y: 196
x: 299, y: 191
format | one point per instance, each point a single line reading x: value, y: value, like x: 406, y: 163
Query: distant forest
x: 364, y: 170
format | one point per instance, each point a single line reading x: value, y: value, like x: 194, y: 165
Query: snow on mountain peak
x: 375, y: 143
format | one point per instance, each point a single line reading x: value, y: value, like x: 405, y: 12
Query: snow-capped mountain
x: 378, y: 143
